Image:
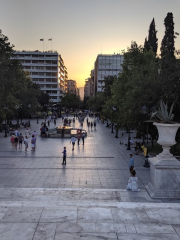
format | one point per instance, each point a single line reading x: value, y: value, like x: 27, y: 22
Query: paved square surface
x: 41, y: 199
x: 100, y: 163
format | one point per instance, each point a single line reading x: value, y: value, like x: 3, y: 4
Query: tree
x: 97, y: 102
x: 17, y: 91
x: 152, y: 42
x: 146, y: 45
x: 152, y: 39
x: 137, y: 86
x: 167, y: 44
x: 71, y: 100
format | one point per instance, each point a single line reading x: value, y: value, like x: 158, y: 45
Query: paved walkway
x: 40, y: 199
x: 100, y: 163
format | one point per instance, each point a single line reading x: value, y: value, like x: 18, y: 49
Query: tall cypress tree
x: 152, y: 39
x: 152, y: 42
x: 167, y: 44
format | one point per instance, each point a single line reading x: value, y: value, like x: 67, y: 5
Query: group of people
x: 132, y: 181
x: 80, y: 135
x: 17, y: 139
x: 91, y: 124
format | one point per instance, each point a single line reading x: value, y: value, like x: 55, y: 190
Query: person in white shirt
x: 26, y: 143
x: 73, y: 140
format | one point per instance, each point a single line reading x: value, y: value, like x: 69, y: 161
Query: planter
x: 165, y: 168
x: 167, y: 133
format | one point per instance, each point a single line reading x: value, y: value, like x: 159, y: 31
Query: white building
x: 46, y: 69
x: 106, y: 65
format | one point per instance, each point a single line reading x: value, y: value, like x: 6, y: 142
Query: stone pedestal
x: 164, y: 178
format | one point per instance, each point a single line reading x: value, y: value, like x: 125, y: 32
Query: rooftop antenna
x: 101, y: 49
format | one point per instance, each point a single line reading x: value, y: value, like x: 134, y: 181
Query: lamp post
x: 5, y: 109
x: 107, y: 125
x: 129, y: 137
x: 116, y: 136
x: 37, y: 113
x: 29, y: 105
x: 46, y: 105
x: 112, y: 125
x: 129, y: 143
x: 145, y: 112
x: 59, y: 109
x: 17, y: 108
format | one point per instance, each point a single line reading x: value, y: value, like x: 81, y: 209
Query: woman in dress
x: 132, y: 182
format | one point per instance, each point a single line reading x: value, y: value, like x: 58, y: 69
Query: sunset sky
x: 81, y: 28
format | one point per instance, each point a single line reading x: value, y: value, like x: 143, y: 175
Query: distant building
x: 106, y: 65
x: 46, y: 69
x: 71, y: 86
x: 81, y: 93
x: 89, y: 85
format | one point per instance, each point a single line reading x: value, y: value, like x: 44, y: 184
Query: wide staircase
x: 86, y: 214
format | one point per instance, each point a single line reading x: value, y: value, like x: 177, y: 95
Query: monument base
x: 164, y: 178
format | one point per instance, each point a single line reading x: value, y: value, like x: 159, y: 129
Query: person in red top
x: 12, y: 141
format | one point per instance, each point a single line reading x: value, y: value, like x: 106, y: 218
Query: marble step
x: 40, y: 197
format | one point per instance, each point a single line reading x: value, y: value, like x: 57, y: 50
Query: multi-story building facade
x: 71, y: 86
x: 66, y: 78
x: 92, y: 83
x: 106, y: 65
x: 46, y: 69
x: 87, y: 87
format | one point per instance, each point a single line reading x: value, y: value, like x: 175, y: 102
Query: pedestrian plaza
x: 85, y: 199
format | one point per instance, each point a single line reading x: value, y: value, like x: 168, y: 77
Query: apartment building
x: 106, y: 65
x: 46, y: 69
x: 71, y: 86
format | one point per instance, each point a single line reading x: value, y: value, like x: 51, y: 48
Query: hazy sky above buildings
x: 81, y: 29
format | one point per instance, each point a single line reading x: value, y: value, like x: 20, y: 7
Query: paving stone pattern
x: 100, y: 163
x: 40, y: 199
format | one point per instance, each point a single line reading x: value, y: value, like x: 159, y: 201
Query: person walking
x: 83, y: 136
x: 20, y: 139
x: 15, y: 142
x: 91, y: 125
x: 26, y: 143
x: 131, y: 163
x: 54, y: 122
x: 79, y: 137
x: 64, y: 156
x: 73, y: 140
x: 33, y: 142
x: 12, y: 141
